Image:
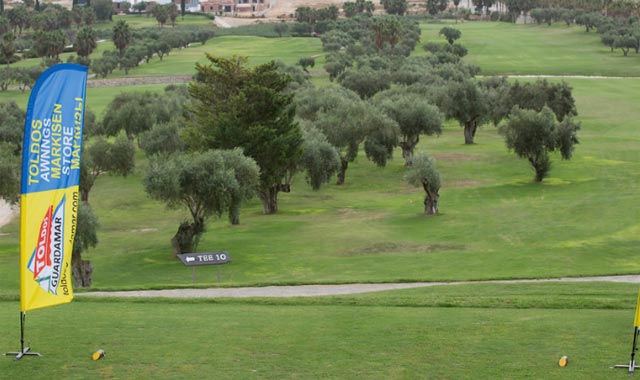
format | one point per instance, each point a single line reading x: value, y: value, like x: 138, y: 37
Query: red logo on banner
x: 42, y: 257
x: 47, y: 259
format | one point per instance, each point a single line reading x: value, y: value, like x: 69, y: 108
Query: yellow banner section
x: 48, y: 224
x: 636, y: 320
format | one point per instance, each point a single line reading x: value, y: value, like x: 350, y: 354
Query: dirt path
x: 131, y: 81
x: 330, y: 290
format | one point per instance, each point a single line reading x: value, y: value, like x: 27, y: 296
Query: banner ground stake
x: 23, y: 350
x: 636, y: 329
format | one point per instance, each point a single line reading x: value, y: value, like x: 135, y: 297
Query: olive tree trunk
x: 82, y: 271
x: 541, y: 164
x: 430, y: 201
x: 470, y: 128
x: 407, y: 151
x: 186, y: 238
x: 234, y: 214
x: 344, y: 164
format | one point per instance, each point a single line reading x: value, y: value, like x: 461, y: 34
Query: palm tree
x: 121, y: 36
x: 85, y: 41
x: 8, y: 47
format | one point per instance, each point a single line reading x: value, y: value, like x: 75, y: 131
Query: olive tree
x: 11, y: 130
x: 320, y: 160
x: 466, y: 102
x: 162, y: 138
x: 306, y: 62
x: 280, y: 28
x: 536, y: 95
x: 101, y: 157
x: 10, y: 173
x: 423, y: 173
x: 396, y: 7
x: 247, y: 174
x: 450, y: 34
x: 625, y: 43
x: 533, y: 135
x: 203, y: 182
x: 135, y: 113
x: 415, y: 117
x: 11, y: 126
x: 8, y: 47
x: 365, y: 81
x: 347, y: 122
x: 86, y: 237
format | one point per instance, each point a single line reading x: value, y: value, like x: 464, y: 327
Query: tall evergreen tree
x: 237, y: 106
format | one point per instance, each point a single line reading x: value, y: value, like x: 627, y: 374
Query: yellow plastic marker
x: 563, y: 361
x: 98, y: 355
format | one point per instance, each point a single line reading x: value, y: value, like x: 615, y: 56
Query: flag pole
x: 636, y: 329
x: 23, y: 350
x: 632, y: 363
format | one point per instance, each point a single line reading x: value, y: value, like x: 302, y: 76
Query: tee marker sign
x: 206, y: 258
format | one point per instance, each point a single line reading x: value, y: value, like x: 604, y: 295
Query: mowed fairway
x: 495, y: 223
x: 364, y: 337
x: 503, y: 48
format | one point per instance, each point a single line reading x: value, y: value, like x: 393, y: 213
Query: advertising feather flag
x: 49, y: 200
x: 49, y: 191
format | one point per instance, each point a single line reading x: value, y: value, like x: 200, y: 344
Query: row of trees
x: 134, y: 47
x: 510, y: 10
x: 50, y: 31
x: 619, y: 30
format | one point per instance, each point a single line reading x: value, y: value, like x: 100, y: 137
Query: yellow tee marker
x: 563, y: 361
x: 98, y: 355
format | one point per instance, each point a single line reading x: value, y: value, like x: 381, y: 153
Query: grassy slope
x: 502, y: 48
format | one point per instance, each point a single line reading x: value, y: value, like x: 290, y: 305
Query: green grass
x: 335, y: 338
x: 503, y: 48
x: 263, y: 30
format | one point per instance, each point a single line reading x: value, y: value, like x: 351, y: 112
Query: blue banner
x: 53, y: 130
x: 52, y: 147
